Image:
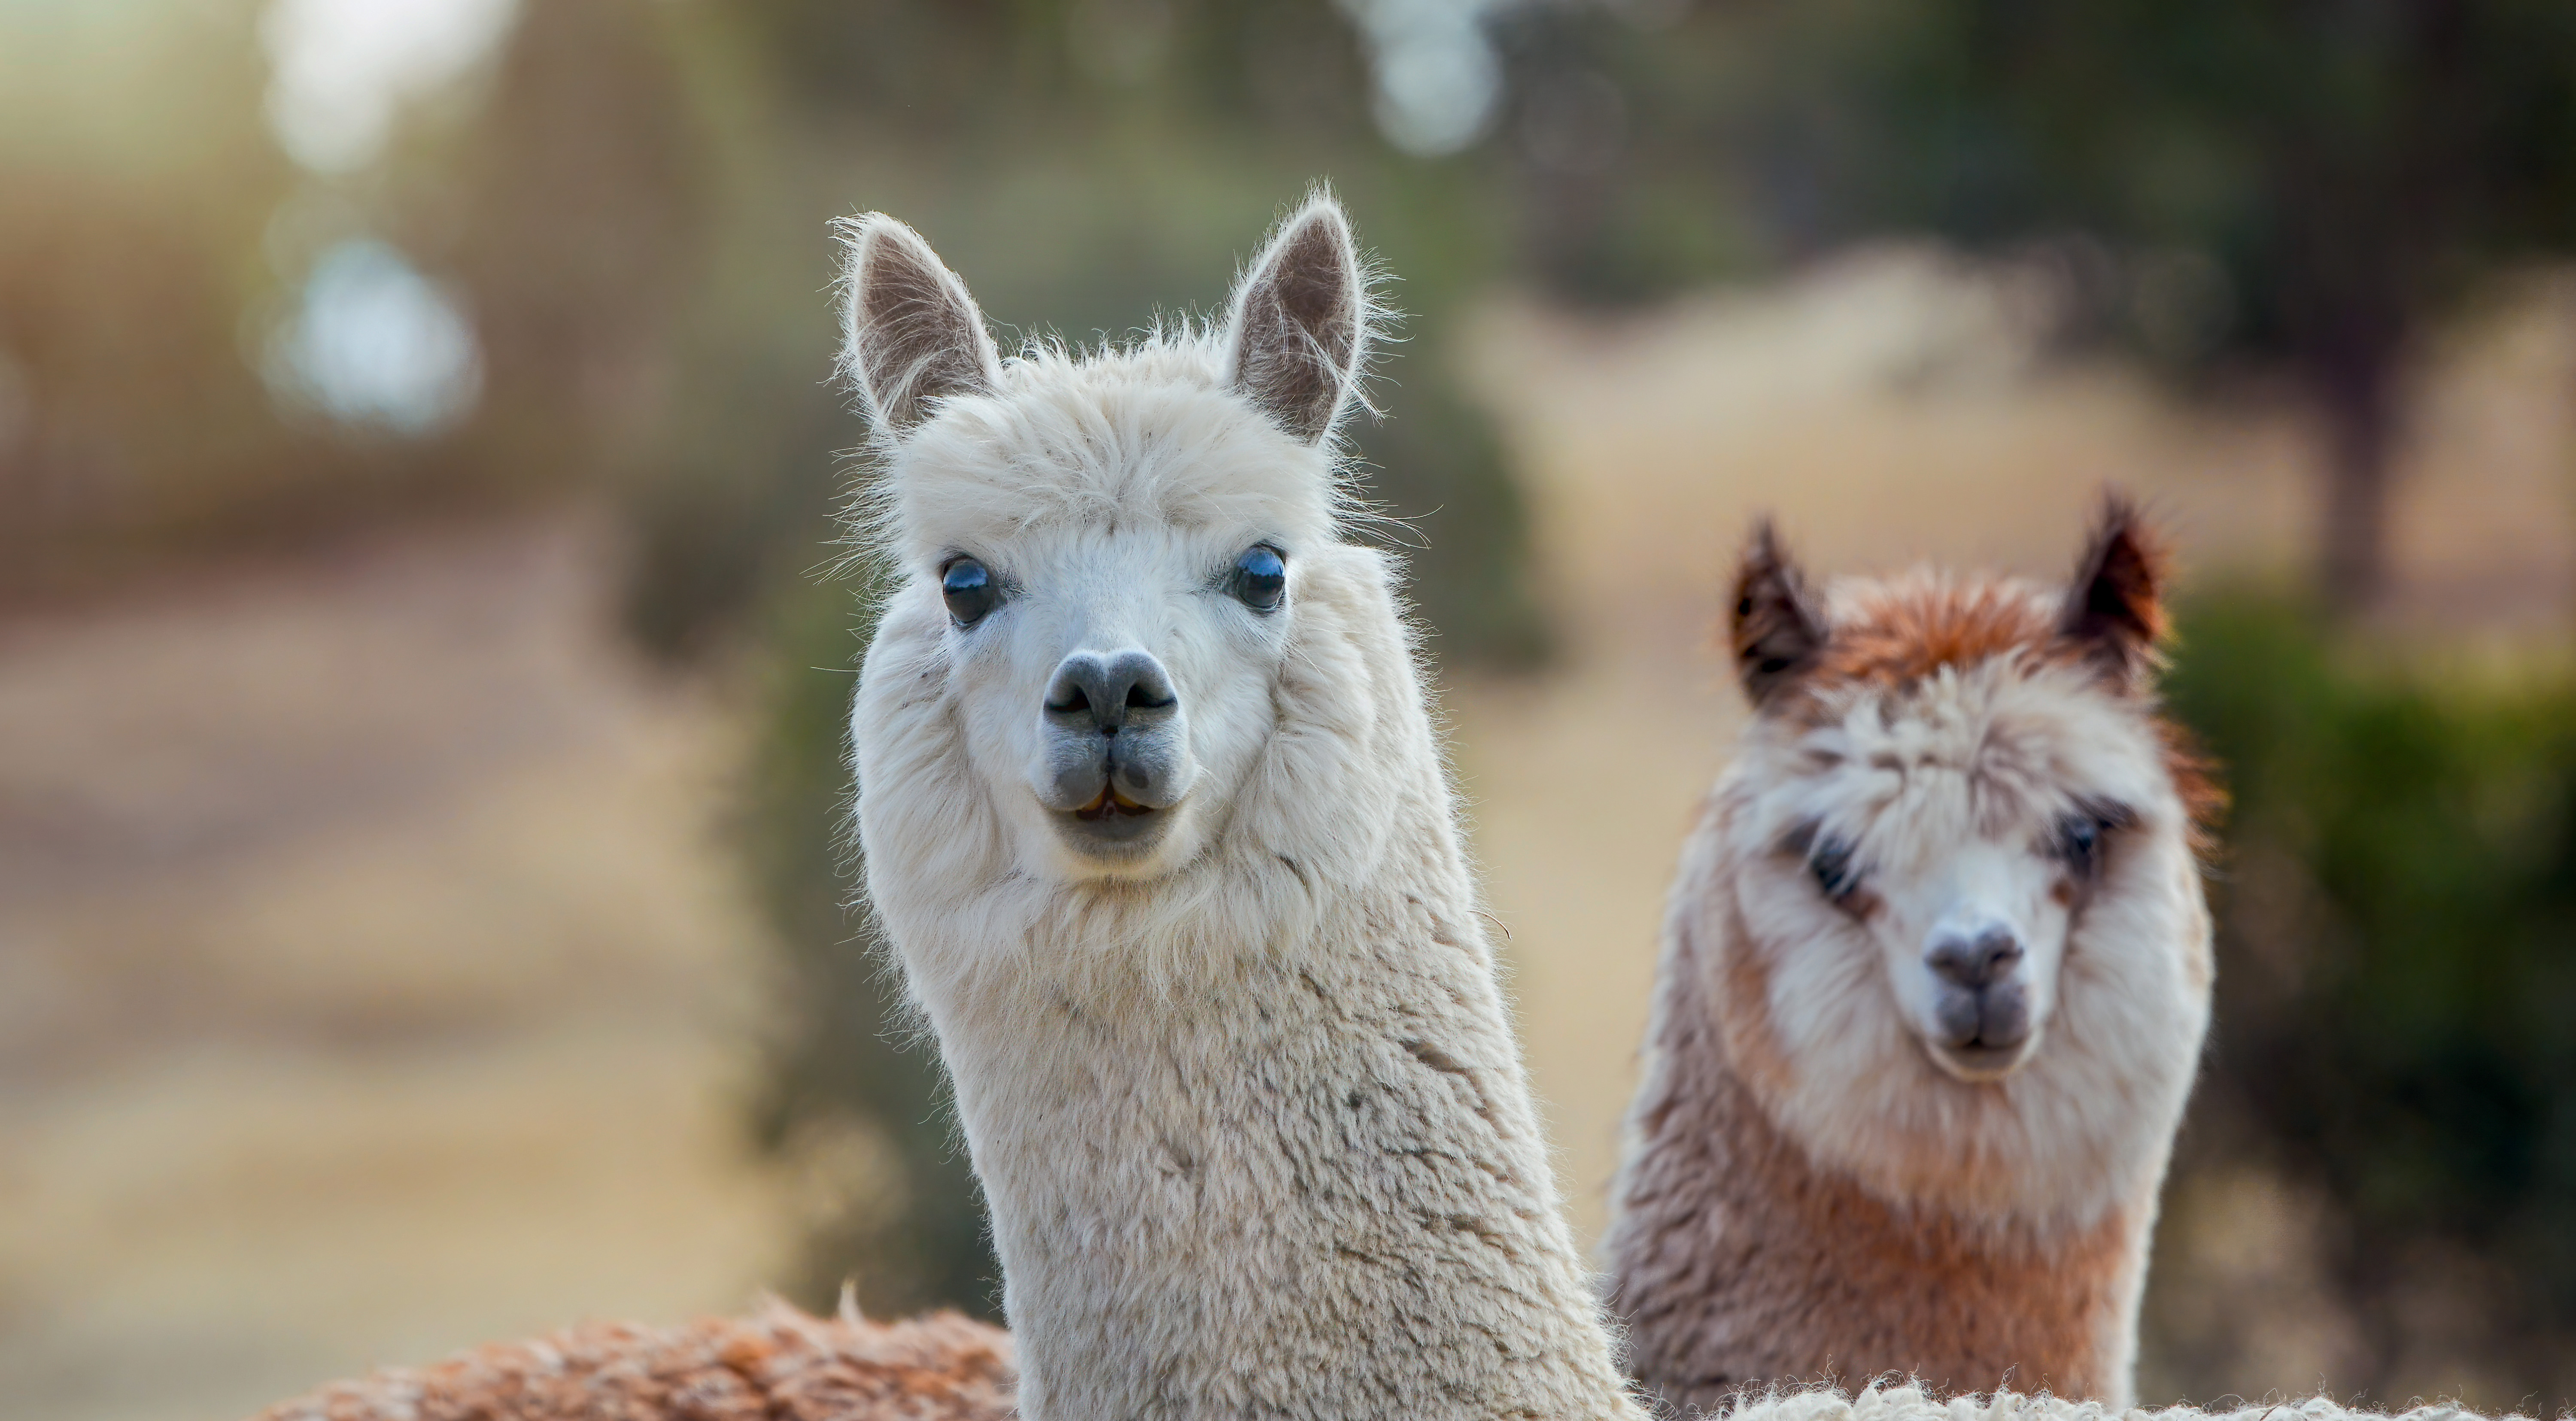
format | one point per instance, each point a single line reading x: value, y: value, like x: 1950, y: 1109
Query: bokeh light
x: 373, y: 342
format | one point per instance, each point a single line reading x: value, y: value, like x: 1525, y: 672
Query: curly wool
x: 777, y: 1365
x: 1908, y: 1401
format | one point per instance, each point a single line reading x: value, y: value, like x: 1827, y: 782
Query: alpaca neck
x: 1303, y: 1179
x: 1736, y: 1260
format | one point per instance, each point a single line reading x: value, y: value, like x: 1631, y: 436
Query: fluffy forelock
x: 1910, y: 653
x: 1141, y: 435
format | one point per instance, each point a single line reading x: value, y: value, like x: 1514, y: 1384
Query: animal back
x: 777, y: 1365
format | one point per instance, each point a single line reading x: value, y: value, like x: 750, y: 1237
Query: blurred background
x: 421, y: 913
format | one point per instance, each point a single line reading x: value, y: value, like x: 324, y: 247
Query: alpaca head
x: 1100, y: 558
x: 1962, y: 850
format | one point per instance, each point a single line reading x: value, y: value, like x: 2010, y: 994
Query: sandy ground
x: 374, y: 979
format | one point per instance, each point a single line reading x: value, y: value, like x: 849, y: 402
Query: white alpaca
x: 1155, y: 818
x: 1935, y: 976
x: 1156, y: 821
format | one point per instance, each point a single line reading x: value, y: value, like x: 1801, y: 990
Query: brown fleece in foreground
x: 779, y: 1365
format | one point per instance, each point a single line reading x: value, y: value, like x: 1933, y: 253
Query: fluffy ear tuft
x: 1777, y: 629
x: 1297, y: 335
x: 911, y: 335
x: 2114, y: 609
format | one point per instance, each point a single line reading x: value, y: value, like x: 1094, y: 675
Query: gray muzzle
x: 1116, y: 737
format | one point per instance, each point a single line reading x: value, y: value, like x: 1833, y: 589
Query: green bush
x: 845, y: 1060
x: 2396, y: 1027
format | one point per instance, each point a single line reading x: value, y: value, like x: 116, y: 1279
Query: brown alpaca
x: 779, y: 1365
x: 1935, y: 975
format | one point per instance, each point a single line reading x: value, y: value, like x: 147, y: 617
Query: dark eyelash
x: 1831, y: 862
x: 2080, y: 836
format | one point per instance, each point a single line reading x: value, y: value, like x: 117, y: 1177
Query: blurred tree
x: 2397, y: 966
x: 135, y: 187
x: 1613, y: 112
x: 2307, y: 184
x: 576, y: 214
x: 2299, y: 187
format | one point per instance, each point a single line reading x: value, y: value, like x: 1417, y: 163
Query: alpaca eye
x: 968, y: 588
x: 1835, y: 873
x: 2079, y: 838
x: 1260, y: 578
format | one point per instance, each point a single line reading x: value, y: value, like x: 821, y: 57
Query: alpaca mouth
x: 1984, y: 1032
x: 1113, y: 827
x: 1110, y: 804
x: 1978, y: 1062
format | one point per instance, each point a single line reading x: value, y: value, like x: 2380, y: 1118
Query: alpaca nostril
x: 1974, y: 961
x: 1093, y: 692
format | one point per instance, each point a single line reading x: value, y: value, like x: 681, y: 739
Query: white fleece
x: 1248, y: 1111
x: 1905, y: 1402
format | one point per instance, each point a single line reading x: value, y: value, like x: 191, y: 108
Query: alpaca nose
x: 1108, y: 694
x: 1984, y: 1003
x: 1974, y: 960
x: 1116, y: 745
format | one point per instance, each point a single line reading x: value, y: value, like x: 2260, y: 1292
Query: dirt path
x: 370, y: 982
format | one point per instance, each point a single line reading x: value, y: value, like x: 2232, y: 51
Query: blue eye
x: 1260, y: 578
x: 969, y: 590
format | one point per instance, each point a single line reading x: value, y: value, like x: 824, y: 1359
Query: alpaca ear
x: 911, y: 336
x: 1777, y: 629
x: 1298, y: 331
x: 2114, y: 612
